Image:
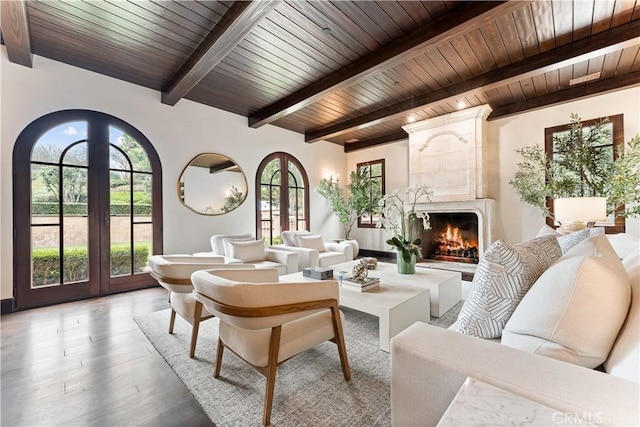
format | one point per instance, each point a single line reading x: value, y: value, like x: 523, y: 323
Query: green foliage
x: 233, y: 200
x: 46, y: 263
x: 399, y: 216
x: 581, y: 167
x: 75, y: 209
x: 360, y: 198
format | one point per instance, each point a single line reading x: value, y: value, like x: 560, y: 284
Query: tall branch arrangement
x: 360, y: 197
x: 399, y: 216
x: 581, y: 168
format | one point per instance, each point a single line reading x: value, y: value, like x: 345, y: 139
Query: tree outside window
x: 375, y: 171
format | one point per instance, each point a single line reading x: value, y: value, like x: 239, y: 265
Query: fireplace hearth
x: 453, y: 237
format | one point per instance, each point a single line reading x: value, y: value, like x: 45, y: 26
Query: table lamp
x: 576, y: 213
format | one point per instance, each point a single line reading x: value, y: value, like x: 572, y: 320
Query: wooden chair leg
x: 216, y: 372
x: 274, y: 348
x: 194, y: 328
x: 172, y: 320
x: 339, y: 337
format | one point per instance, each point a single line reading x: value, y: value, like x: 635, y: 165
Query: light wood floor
x: 88, y: 363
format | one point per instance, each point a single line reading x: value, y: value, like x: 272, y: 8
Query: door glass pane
x: 74, y: 190
x: 77, y: 155
x: 120, y: 222
x: 117, y: 160
x: 142, y: 197
x: 131, y: 147
x: 44, y: 191
x: 76, y: 248
x: 142, y: 246
x: 120, y: 246
x: 45, y: 256
x: 50, y: 145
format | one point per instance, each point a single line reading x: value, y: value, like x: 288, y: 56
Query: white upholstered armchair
x: 173, y: 272
x: 244, y: 248
x: 313, y: 251
x: 266, y: 322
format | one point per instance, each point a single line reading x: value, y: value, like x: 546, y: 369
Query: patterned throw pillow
x: 505, y: 274
x: 570, y: 240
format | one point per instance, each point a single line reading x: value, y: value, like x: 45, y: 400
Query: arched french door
x: 87, y: 209
x: 282, y: 197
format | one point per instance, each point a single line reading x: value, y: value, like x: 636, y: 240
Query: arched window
x: 282, y: 197
x: 87, y: 207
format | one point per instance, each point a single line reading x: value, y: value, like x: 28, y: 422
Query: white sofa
x: 316, y: 252
x: 285, y: 262
x: 429, y: 364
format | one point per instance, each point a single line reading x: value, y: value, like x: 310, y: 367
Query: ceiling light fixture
x: 350, y: 140
x: 411, y: 118
x: 583, y: 79
x: 461, y: 104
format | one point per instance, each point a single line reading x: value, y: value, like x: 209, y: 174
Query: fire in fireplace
x: 452, y: 237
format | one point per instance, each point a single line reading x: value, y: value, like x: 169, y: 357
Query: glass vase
x: 405, y: 267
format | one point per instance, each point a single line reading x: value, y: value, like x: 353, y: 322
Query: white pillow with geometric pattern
x: 568, y: 241
x: 504, y: 275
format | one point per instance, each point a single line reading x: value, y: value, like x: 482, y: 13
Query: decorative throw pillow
x: 568, y: 241
x: 623, y: 358
x: 504, y: 275
x: 225, y: 243
x: 576, y: 308
x: 311, y: 242
x: 547, y: 231
x: 247, y: 251
x: 289, y: 236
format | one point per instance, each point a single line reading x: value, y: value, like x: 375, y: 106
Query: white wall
x: 515, y: 221
x: 396, y: 167
x: 178, y: 134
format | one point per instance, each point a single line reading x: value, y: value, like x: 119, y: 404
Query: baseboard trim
x: 376, y: 254
x: 6, y: 306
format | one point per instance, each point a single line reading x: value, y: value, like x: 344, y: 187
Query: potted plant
x: 360, y: 198
x: 581, y: 169
x: 401, y: 218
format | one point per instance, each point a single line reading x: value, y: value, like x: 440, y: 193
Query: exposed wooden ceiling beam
x: 15, y: 31
x: 464, y: 18
x: 236, y: 23
x: 600, y: 44
x: 583, y: 91
x: 384, y: 139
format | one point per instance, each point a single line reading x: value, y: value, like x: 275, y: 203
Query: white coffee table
x: 401, y: 299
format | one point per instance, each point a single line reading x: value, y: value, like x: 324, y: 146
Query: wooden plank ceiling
x: 348, y: 72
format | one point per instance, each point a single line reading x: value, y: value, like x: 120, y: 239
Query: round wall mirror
x: 212, y: 184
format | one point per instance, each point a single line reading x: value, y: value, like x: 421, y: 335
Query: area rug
x: 310, y: 388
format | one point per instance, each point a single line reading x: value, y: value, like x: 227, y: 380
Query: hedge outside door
x: 87, y: 208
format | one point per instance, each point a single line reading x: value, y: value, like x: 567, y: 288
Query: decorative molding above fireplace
x: 483, y: 208
x: 446, y: 153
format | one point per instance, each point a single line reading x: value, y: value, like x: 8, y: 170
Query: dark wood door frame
x: 99, y: 281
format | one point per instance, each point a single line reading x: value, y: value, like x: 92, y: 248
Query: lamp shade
x: 580, y: 209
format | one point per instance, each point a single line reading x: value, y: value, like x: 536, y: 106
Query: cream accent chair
x: 266, y: 323
x: 313, y: 251
x: 241, y: 249
x: 173, y: 272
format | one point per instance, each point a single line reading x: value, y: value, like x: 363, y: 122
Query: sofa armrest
x: 289, y: 259
x: 306, y: 257
x: 429, y: 365
x: 343, y: 248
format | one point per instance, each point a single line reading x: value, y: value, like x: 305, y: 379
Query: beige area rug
x: 310, y: 389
